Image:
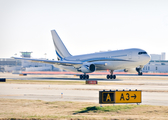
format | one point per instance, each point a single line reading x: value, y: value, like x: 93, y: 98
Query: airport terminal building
x: 13, y: 65
x: 156, y: 66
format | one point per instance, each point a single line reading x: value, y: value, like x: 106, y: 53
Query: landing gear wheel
x: 114, y: 76
x: 111, y: 76
x: 84, y: 76
x: 87, y: 76
x: 140, y: 73
x: 108, y: 76
x: 81, y: 76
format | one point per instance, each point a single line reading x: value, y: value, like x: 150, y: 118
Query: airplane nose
x: 148, y: 58
x: 145, y: 59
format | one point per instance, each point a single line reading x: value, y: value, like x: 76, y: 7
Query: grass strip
x: 98, y: 109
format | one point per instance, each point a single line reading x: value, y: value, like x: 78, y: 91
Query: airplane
x: 131, y: 60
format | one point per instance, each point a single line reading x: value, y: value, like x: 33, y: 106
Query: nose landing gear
x: 111, y: 76
x: 139, y: 70
x: 140, y: 73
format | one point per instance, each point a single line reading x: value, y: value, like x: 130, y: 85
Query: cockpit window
x: 140, y: 53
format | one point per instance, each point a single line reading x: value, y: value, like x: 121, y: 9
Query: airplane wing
x: 66, y: 63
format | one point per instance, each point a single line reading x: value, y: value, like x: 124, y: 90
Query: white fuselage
x: 114, y: 60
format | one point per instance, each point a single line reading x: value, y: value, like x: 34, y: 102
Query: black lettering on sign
x: 128, y: 97
x: 122, y: 97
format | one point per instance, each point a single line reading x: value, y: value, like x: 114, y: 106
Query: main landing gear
x: 84, y: 76
x: 111, y: 76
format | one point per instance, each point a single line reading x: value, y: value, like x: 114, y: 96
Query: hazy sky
x: 85, y: 26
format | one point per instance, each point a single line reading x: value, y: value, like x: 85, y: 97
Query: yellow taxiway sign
x: 128, y: 97
x: 110, y: 97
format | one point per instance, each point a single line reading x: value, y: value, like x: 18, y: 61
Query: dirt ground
x: 37, y: 109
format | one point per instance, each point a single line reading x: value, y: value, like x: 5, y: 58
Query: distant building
x: 158, y: 56
x: 7, y: 63
x: 163, y: 56
x: 156, y: 66
x: 10, y: 65
x: 26, y: 54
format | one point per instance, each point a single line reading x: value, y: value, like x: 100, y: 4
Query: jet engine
x: 88, y: 68
x: 134, y: 70
x: 130, y: 70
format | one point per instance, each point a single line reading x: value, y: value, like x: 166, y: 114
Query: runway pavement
x: 155, y: 88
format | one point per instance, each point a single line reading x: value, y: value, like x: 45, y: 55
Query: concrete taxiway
x: 154, y: 88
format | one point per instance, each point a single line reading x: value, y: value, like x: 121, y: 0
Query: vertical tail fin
x: 60, y: 48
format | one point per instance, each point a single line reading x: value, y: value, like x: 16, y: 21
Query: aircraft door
x: 130, y: 55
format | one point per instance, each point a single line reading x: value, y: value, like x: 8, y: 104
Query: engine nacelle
x: 87, y: 68
x: 130, y: 70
